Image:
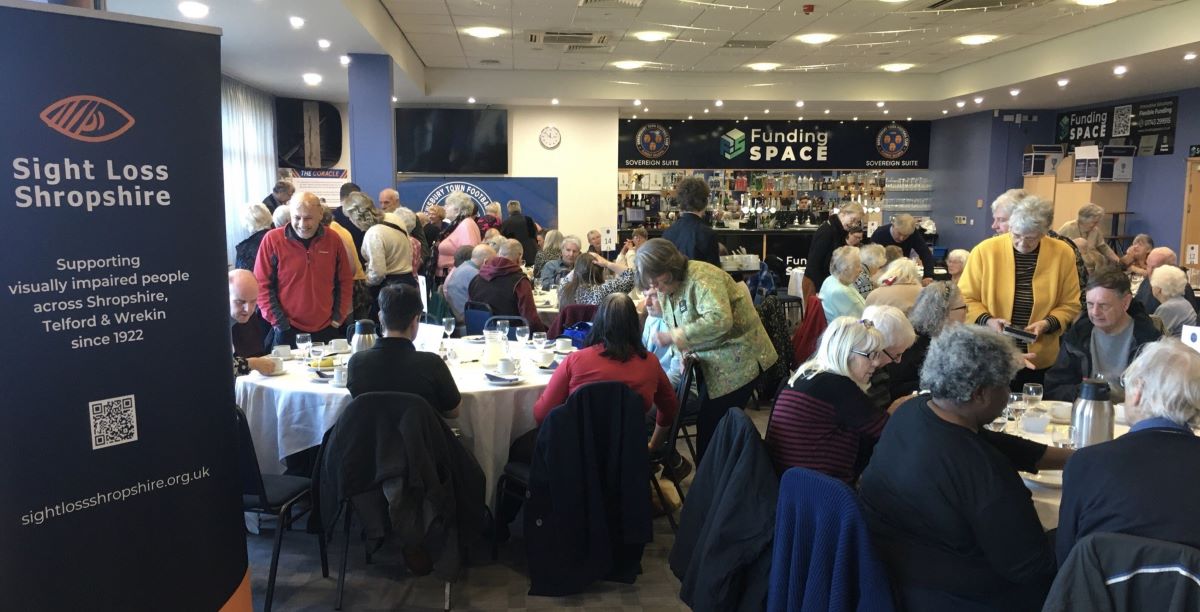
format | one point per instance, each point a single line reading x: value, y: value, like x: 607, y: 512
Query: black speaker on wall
x: 308, y: 133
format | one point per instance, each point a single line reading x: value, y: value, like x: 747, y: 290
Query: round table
x: 290, y: 413
x: 547, y: 305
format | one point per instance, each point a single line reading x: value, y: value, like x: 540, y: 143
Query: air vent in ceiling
x: 991, y: 5
x: 588, y: 49
x: 748, y: 44
x: 611, y: 3
x: 541, y: 39
x: 489, y: 62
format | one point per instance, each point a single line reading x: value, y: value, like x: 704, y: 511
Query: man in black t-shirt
x: 394, y: 364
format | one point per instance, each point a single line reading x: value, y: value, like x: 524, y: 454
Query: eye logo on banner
x: 733, y: 143
x: 87, y: 118
x: 652, y: 141
x: 892, y: 141
x: 443, y: 191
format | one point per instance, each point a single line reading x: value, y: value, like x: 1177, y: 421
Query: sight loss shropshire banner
x: 117, y: 455
x: 765, y: 145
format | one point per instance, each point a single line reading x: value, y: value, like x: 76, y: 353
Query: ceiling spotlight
x: 637, y: 102
x: 635, y: 116
x: 322, y: 43
x: 827, y: 111
x: 471, y: 100
x: 1120, y: 70
x: 1094, y: 2
x: 483, y: 32
x: 1014, y: 92
x: 706, y: 111
x: 193, y: 10
x: 646, y: 109
x: 886, y: 111
x: 801, y: 117
x: 945, y: 112
x: 1189, y: 56
x: 629, y: 64
x: 1063, y: 82
x: 651, y: 36
x: 395, y: 99
x: 766, y: 111
x: 908, y: 118
x: 718, y: 104
x: 763, y: 66
x: 745, y: 117
x: 689, y: 116
x: 311, y: 78
x: 799, y: 103
x: 816, y: 39
x: 979, y: 99
x: 977, y: 39
x: 960, y: 103
x: 297, y: 22
x: 345, y: 60
x: 896, y: 67
x: 856, y: 118
x: 554, y: 101
x: 880, y: 104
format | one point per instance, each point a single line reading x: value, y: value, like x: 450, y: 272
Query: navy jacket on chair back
x: 1115, y: 572
x: 588, y: 513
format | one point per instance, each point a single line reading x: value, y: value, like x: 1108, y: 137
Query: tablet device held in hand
x: 1019, y: 334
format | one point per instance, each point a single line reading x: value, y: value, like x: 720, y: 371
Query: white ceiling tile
x: 420, y: 7
x: 725, y: 19
x: 407, y: 20
x: 444, y: 61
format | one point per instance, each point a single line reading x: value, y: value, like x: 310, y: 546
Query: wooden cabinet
x: 1069, y: 196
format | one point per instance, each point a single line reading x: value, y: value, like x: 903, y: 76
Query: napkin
x: 497, y: 377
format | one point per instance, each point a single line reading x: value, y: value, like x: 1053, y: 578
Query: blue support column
x: 372, y: 123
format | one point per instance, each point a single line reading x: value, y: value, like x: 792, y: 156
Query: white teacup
x: 339, y: 345
x: 562, y: 345
x: 544, y: 358
x: 276, y: 364
x: 339, y: 375
x: 281, y: 351
x: 508, y: 365
x: 1035, y: 422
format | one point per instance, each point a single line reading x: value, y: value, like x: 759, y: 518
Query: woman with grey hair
x: 1142, y: 483
x: 712, y: 317
x: 956, y: 260
x: 523, y: 229
x: 1086, y: 225
x: 463, y: 230
x: 838, y: 296
x: 948, y: 512
x: 1168, y: 283
x: 407, y: 221
x: 823, y: 419
x: 899, y: 337
x: 386, y: 247
x: 282, y: 215
x: 1027, y: 280
x: 256, y: 218
x: 491, y: 217
x: 873, y: 257
x: 551, y: 247
x: 899, y: 285
x: 1002, y: 207
x: 939, y: 306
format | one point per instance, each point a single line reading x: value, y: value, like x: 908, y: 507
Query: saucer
x: 279, y: 372
x: 335, y: 384
x: 319, y: 380
x: 1046, y: 478
x: 473, y: 339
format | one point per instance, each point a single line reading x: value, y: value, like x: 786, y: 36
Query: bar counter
x: 789, y: 244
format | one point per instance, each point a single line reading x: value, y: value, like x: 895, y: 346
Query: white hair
x: 407, y: 217
x: 1005, y: 201
x: 574, y: 240
x: 903, y: 271
x: 458, y: 205
x: 891, y: 322
x: 959, y: 255
x: 873, y: 256
x: 282, y: 215
x: 1027, y: 217
x: 845, y: 263
x: 1171, y: 281
x: 904, y: 223
x: 511, y: 249
x: 256, y: 217
x: 1089, y: 212
x: 493, y: 209
x: 843, y: 336
x: 1168, y: 375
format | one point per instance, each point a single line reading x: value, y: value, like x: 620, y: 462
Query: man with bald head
x: 502, y: 284
x: 458, y: 283
x: 1162, y: 256
x: 305, y: 277
x: 243, y: 292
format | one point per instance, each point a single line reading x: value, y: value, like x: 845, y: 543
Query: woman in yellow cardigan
x: 1025, y: 279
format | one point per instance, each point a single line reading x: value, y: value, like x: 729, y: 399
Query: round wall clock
x: 550, y: 137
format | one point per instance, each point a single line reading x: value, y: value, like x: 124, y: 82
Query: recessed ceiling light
x: 554, y: 101
x: 635, y: 116
x: 799, y: 103
x: 344, y: 59
x: 1189, y: 56
x: 471, y: 100
x: 689, y: 116
x: 801, y: 117
x: 395, y: 99
x: 637, y: 102
x: 896, y: 67
x: 311, y: 78
x: 297, y: 22
x: 945, y: 112
x: 706, y: 111
x: 646, y: 110
x: 1063, y: 82
x: 977, y: 39
x: 745, y: 117
x: 960, y: 103
x: 816, y: 38
x: 856, y: 118
x: 193, y: 10
x: 718, y: 104
x: 1120, y: 70
x: 629, y: 64
x: 322, y: 43
x: 1014, y: 92
x: 766, y: 111
x: 1094, y: 2
x: 979, y: 99
x: 908, y: 118
x: 880, y: 104
x: 651, y: 36
x: 763, y: 66
x: 886, y: 111
x: 483, y: 32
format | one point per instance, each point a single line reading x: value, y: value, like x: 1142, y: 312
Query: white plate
x: 279, y: 372
x: 1052, y: 406
x: 319, y: 380
x: 504, y: 383
x: 337, y: 385
x: 1046, y: 478
x: 473, y: 339
x: 325, y: 370
x: 566, y: 352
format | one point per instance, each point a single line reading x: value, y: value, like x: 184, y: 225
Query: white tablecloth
x: 290, y: 413
x: 547, y: 305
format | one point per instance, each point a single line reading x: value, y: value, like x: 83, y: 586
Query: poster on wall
x: 325, y: 183
x: 1148, y: 125
x: 120, y: 488
x: 538, y: 196
x: 764, y: 145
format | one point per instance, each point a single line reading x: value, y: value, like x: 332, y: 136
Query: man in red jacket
x: 305, y: 277
x: 502, y: 284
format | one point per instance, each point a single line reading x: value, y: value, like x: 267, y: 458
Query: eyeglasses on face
x: 872, y: 355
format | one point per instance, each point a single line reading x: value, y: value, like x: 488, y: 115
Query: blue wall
x: 959, y: 161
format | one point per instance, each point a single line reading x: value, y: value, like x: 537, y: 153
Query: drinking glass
x: 448, y: 324
x: 539, y: 339
x: 1016, y: 405
x: 315, y: 353
x: 999, y: 424
x: 1063, y: 437
x: 1032, y: 393
x: 522, y: 334
x: 503, y: 327
x: 304, y: 342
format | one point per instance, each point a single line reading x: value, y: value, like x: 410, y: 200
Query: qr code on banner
x: 114, y: 421
x: 1122, y: 120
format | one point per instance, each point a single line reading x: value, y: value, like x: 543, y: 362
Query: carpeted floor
x: 487, y: 585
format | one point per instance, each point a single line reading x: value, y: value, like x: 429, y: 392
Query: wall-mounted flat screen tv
x: 451, y: 141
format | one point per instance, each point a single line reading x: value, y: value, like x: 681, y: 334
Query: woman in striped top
x: 823, y: 419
